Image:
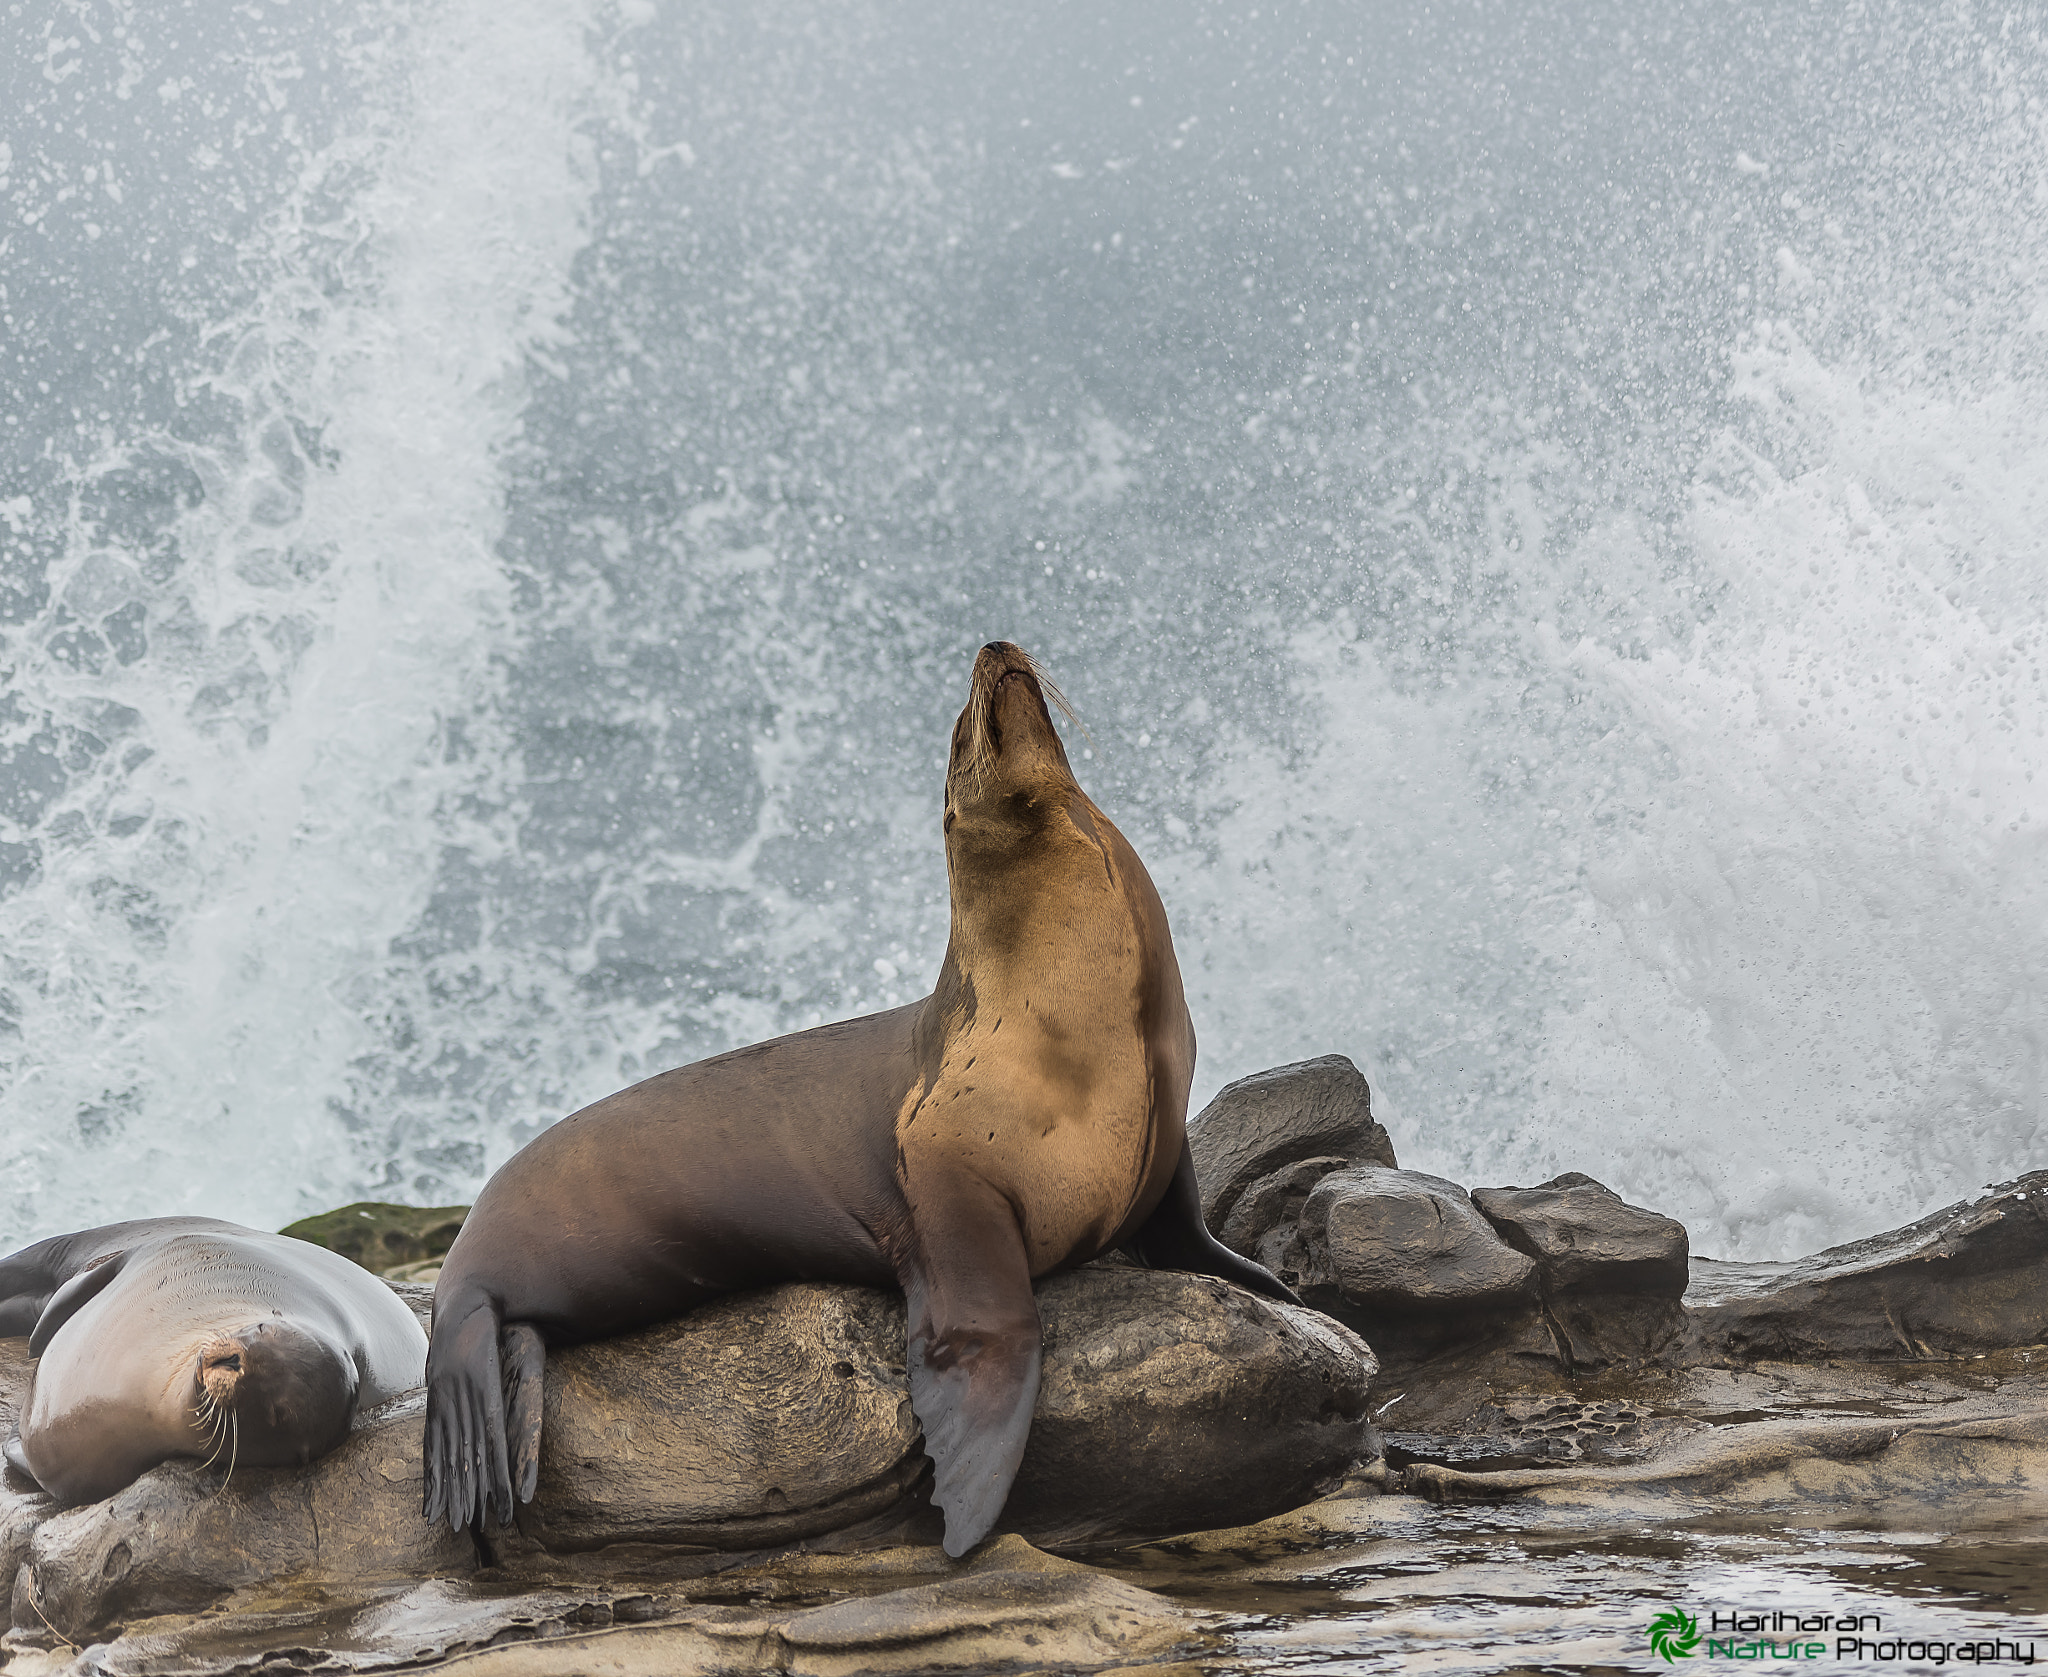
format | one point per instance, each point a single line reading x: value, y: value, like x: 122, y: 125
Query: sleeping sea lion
x: 1024, y: 1117
x: 183, y: 1336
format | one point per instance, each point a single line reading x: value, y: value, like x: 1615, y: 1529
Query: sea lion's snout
x: 1007, y: 722
x: 282, y: 1394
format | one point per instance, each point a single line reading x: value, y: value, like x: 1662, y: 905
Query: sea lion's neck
x: 1043, y: 913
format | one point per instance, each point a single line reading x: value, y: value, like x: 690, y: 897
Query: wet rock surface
x: 182, y: 1536
x: 1969, y: 1278
x: 896, y: 1610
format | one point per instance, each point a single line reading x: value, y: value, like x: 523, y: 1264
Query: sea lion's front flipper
x: 26, y: 1283
x: 974, y: 1350
x: 1175, y: 1237
x: 68, y: 1299
x: 17, y: 1460
x: 463, y: 1446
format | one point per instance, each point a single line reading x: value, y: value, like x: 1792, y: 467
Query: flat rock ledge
x: 1170, y: 1403
x: 895, y: 1610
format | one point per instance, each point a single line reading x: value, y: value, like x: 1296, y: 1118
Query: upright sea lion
x: 183, y: 1336
x: 1026, y: 1116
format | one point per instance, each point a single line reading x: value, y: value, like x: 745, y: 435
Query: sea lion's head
x: 1008, y: 769
x: 273, y: 1393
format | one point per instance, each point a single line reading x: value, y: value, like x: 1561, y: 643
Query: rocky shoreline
x: 744, y: 1489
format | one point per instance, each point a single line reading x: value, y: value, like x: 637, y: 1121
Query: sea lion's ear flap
x: 974, y: 1349
x: 68, y: 1299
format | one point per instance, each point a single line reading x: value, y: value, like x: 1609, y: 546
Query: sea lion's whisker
x: 235, y: 1430
x: 981, y: 700
x: 1054, y: 696
x: 220, y: 1437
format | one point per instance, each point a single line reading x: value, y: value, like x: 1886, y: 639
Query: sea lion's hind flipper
x: 973, y: 1354
x: 17, y: 1460
x: 464, y: 1445
x: 1175, y: 1237
x: 525, y: 1356
x: 70, y: 1298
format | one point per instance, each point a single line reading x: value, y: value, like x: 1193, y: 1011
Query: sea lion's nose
x: 997, y: 647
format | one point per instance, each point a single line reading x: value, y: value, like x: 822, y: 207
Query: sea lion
x: 184, y: 1336
x: 1026, y: 1116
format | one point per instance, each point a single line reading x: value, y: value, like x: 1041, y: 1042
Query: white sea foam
x: 198, y: 964
x: 1767, y: 950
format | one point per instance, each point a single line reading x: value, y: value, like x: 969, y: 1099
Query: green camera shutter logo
x: 1674, y: 1635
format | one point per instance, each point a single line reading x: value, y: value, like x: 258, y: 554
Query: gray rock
x: 22, y: 1506
x: 1316, y: 1108
x: 1261, y: 1224
x: 1891, y: 1464
x: 1971, y: 1277
x: 1398, y: 1242
x: 1014, y: 1604
x: 1586, y: 1239
x: 1170, y: 1402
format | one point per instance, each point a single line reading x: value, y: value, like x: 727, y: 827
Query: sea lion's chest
x: 1047, y: 1089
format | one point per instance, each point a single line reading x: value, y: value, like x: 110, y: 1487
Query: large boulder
x: 1169, y: 1402
x: 1586, y: 1238
x: 1971, y: 1277
x: 1317, y: 1109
